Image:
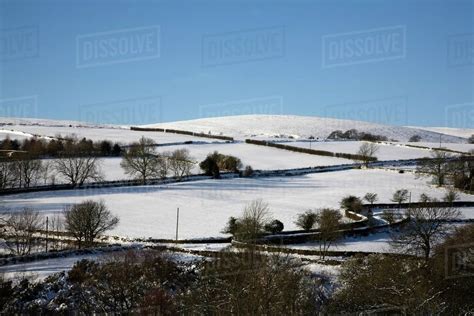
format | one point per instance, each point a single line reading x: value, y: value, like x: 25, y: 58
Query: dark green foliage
x: 274, y: 227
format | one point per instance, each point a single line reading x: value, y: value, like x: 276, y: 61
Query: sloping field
x: 205, y: 206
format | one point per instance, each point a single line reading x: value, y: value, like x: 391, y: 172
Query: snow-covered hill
x: 460, y: 132
x: 270, y: 126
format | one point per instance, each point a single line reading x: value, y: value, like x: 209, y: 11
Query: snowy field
x: 271, y: 126
x: 259, y: 157
x: 205, y: 206
x: 453, y: 146
x: 459, y: 132
x: 385, y: 151
x: 119, y: 135
x: 379, y: 242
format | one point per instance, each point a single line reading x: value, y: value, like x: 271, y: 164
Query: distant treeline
x: 54, y: 148
x: 175, y: 131
x: 311, y: 151
x: 353, y: 134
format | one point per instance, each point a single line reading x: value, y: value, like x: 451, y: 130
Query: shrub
x: 274, y: 227
x: 306, y: 220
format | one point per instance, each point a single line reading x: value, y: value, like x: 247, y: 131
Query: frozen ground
x: 270, y: 126
x: 259, y: 157
x: 42, y: 268
x: 459, y: 132
x: 373, y: 243
x: 205, y: 206
x: 452, y: 146
x: 385, y: 151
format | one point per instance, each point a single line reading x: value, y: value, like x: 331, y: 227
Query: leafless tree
x: 252, y: 222
x: 20, y: 227
x: 27, y: 171
x: 328, y: 221
x: 437, y: 166
x: 7, y: 178
x: 400, y: 196
x: 429, y: 224
x: 78, y: 170
x: 371, y: 197
x: 141, y: 160
x: 181, y: 163
x: 368, y: 151
x: 88, y: 220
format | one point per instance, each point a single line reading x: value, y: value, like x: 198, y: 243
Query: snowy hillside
x: 269, y: 126
x: 460, y: 132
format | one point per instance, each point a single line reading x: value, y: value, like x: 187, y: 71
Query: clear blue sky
x: 416, y: 80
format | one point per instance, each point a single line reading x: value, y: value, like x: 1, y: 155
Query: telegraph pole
x: 177, y: 223
x: 47, y: 226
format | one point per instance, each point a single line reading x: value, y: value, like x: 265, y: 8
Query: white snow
x: 268, y: 126
x: 391, y: 151
x: 459, y: 132
x: 205, y: 206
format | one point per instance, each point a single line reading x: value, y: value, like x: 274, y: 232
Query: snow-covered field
x: 259, y: 157
x: 270, y: 126
x: 385, y: 151
x: 205, y: 206
x: 120, y: 135
x: 379, y: 242
x: 459, y: 132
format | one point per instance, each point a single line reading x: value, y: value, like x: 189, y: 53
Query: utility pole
x: 47, y: 227
x: 177, y: 223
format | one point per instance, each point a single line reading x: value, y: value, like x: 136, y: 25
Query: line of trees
x: 142, y: 161
x: 444, y: 169
x: 58, y: 147
x: 24, y: 230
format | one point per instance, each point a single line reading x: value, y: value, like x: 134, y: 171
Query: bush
x: 414, y: 139
x: 306, y: 220
x: 274, y: 227
x: 351, y: 203
x: 248, y: 171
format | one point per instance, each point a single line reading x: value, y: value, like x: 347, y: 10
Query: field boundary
x: 182, y: 132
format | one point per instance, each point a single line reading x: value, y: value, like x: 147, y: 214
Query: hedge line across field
x: 176, y: 131
x: 311, y: 151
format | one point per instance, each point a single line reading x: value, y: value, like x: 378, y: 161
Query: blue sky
x: 421, y: 72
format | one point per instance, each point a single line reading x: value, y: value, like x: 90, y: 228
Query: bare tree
x: 252, y: 222
x: 371, y: 197
x: 141, y: 160
x: 428, y: 226
x: 27, y: 171
x: 88, y: 220
x: 400, y: 196
x: 7, y: 178
x: 181, y: 163
x: 437, y: 166
x: 329, y: 221
x: 19, y: 232
x: 306, y: 220
x: 450, y: 196
x: 367, y: 152
x: 78, y: 170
